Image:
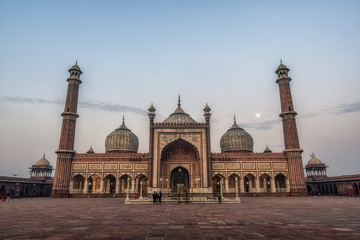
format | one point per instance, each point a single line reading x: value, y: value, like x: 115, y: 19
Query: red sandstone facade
x: 179, y: 155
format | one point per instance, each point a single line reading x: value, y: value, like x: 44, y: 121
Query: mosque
x: 179, y: 155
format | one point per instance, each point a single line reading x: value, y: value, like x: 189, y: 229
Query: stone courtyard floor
x: 110, y: 218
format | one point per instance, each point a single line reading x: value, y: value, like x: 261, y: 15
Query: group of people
x: 5, y: 197
x: 157, y: 197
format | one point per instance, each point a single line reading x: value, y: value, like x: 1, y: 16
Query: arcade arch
x: 232, y: 183
x: 218, y: 183
x: 280, y: 183
x: 78, y: 183
x: 125, y: 181
x: 142, y: 184
x: 179, y: 178
x: 265, y: 183
x: 249, y: 183
x: 94, y: 184
x: 109, y: 184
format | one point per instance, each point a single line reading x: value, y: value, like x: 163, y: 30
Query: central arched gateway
x: 179, y: 164
x: 179, y: 177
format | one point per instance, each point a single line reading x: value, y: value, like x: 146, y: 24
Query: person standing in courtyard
x: 160, y: 196
x: 154, y: 197
x: 219, y: 197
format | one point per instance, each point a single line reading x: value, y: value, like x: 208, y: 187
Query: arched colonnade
x: 334, y: 188
x: 94, y: 184
x: 249, y: 183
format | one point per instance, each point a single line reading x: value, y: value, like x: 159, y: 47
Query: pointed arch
x: 125, y: 180
x: 233, y: 182
x: 178, y: 150
x: 78, y: 183
x: 218, y: 183
x: 179, y: 176
x: 265, y: 183
x: 109, y: 183
x: 141, y: 184
x: 94, y: 183
x: 249, y: 183
x: 280, y: 182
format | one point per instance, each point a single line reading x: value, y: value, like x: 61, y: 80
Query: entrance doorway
x: 179, y: 176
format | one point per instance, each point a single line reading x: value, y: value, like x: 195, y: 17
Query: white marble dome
x: 122, y: 140
x: 236, y: 139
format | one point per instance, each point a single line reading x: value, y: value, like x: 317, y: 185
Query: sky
x: 224, y: 53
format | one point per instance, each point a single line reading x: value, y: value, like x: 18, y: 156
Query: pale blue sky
x: 225, y: 53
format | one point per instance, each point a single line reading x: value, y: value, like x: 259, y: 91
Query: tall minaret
x: 207, y: 116
x: 66, y: 151
x: 291, y: 139
x: 151, y: 115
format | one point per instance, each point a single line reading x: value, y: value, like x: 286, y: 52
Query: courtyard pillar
x: 236, y: 189
x: 242, y: 189
x: 122, y: 186
x: 86, y: 187
x: 221, y: 188
x: 226, y: 185
x: 107, y: 189
x: 127, y: 199
x: 257, y: 185
x: 133, y: 186
x: 287, y: 185
x: 117, y: 186
x: 71, y: 187
x: 136, y: 185
x: 273, y: 189
x: 141, y: 197
x: 101, y: 186
x: 265, y: 185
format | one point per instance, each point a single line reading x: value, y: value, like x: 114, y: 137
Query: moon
x: 258, y: 115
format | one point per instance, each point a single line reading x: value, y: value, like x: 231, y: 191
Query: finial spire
x: 234, y: 119
x: 280, y: 61
x: 76, y: 62
x: 179, y: 104
x: 44, y: 155
x: 123, y: 119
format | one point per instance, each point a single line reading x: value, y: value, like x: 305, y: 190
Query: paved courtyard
x: 108, y: 218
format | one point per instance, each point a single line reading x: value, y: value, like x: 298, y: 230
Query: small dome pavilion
x: 41, y: 169
x: 315, y: 167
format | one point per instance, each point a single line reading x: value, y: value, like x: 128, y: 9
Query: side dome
x: 179, y: 116
x: 121, y: 140
x: 314, y: 160
x: 43, y: 162
x: 236, y: 139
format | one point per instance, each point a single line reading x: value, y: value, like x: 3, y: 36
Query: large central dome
x: 179, y: 116
x: 236, y: 139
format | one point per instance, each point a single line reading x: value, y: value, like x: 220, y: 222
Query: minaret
x: 291, y: 139
x: 66, y: 151
x: 151, y: 115
x: 207, y: 116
